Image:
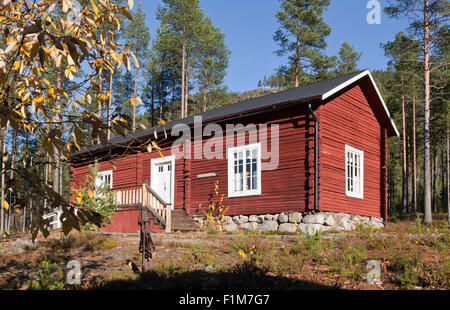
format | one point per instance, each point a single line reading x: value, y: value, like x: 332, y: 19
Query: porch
x: 163, y: 214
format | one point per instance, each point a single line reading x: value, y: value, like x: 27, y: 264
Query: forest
x: 77, y: 73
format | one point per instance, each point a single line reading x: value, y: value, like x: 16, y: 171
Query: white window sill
x: 353, y: 195
x: 244, y: 194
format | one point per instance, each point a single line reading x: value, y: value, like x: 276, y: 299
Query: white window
x: 244, y: 170
x: 104, y: 178
x: 354, y: 172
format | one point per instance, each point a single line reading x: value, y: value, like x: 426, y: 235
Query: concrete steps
x: 182, y: 222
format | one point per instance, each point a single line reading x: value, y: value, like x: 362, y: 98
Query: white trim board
x: 360, y: 153
x: 230, y: 169
x: 102, y: 174
x: 153, y: 164
x: 353, y: 80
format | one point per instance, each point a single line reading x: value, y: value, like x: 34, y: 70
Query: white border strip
x: 156, y: 161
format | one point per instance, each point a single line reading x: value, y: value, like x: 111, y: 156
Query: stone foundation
x: 291, y: 222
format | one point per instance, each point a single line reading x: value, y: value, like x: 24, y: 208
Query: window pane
x: 354, y: 170
x: 254, y: 175
x: 248, y: 160
x: 245, y: 165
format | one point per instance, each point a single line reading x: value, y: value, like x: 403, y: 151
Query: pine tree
x: 426, y: 18
x: 301, y: 37
x: 137, y: 37
x: 181, y: 19
x: 211, y: 58
x: 348, y: 59
x: 403, y: 54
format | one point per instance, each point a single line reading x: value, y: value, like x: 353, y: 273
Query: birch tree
x: 37, y: 37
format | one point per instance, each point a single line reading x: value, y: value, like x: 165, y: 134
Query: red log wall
x: 349, y: 119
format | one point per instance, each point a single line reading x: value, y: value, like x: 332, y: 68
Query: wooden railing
x: 144, y: 195
x: 127, y: 196
x: 56, y: 221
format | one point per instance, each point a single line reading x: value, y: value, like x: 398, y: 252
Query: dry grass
x: 411, y: 254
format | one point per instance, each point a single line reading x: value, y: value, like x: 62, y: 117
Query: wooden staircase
x: 161, y: 212
x: 182, y: 222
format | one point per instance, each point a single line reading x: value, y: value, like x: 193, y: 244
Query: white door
x: 162, y: 178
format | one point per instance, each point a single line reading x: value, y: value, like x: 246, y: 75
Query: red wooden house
x: 319, y: 147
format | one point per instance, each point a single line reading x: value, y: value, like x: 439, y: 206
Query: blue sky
x: 249, y: 26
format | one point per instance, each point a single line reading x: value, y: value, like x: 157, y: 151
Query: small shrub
x: 377, y: 243
x: 101, y: 243
x: 49, y: 277
x: 215, y: 213
x: 354, y: 256
x: 410, y: 277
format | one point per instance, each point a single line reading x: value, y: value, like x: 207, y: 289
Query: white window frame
x: 355, y: 192
x: 244, y: 192
x: 104, y: 173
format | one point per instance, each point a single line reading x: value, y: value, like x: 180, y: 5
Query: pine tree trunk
x: 442, y: 201
x: 186, y: 94
x: 405, y: 161
x: 25, y: 217
x: 297, y: 55
x: 172, y: 109
x: 205, y: 82
x: 161, y: 101
x: 434, y: 179
x: 183, y: 65
x: 204, y: 100
x: 153, y: 106
x: 448, y: 170
x: 99, y: 101
x: 414, y: 153
x: 135, y: 96
x: 410, y: 173
x: 427, y: 156
x: 108, y: 112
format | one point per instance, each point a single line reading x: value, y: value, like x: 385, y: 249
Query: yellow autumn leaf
x: 133, y: 102
x: 94, y: 7
x: 5, y: 205
x: 91, y: 194
x: 242, y: 253
x: 16, y: 65
x: 80, y: 197
x: 51, y: 91
x: 67, y: 72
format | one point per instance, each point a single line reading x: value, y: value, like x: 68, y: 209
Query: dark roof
x: 303, y: 93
